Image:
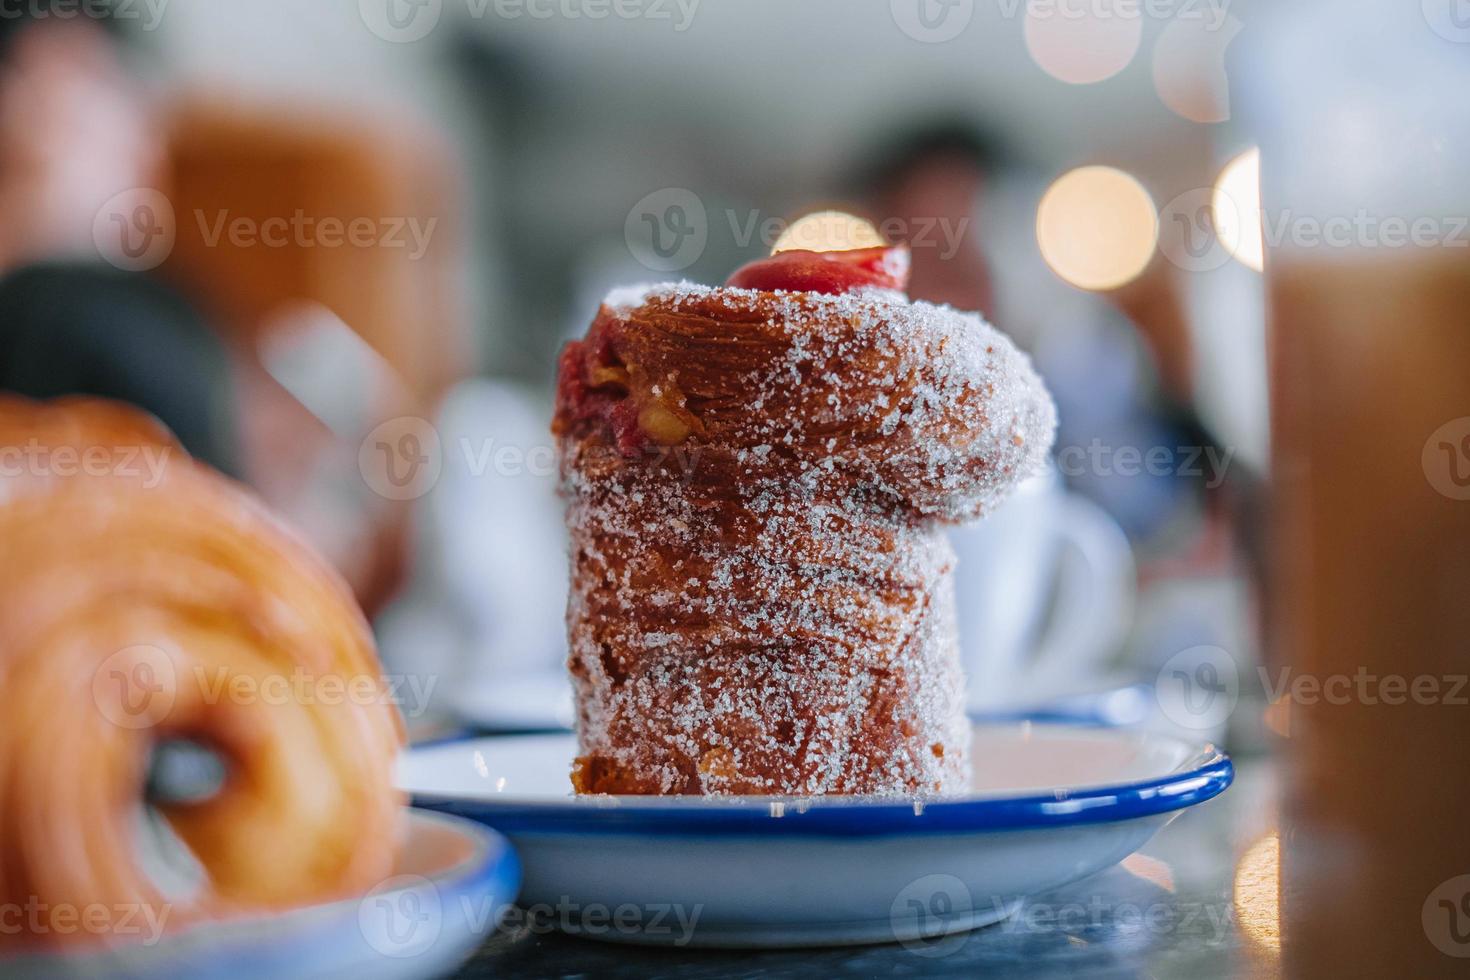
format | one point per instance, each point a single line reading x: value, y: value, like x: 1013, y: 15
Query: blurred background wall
x: 564, y: 123
x: 1058, y: 166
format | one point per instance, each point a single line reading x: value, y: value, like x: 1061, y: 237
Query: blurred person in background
x: 930, y: 184
x: 82, y: 149
x: 75, y: 130
x: 1123, y: 368
x: 1121, y: 364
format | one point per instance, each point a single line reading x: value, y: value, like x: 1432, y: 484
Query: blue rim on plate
x: 330, y: 939
x: 1202, y: 776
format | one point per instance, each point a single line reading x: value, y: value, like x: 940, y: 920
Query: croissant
x: 145, y: 600
x: 756, y: 480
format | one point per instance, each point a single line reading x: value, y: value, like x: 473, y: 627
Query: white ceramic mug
x: 1045, y: 588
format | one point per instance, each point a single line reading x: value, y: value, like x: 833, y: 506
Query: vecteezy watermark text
x: 302, y: 230
x: 937, y: 21
x: 138, y: 686
x: 141, y: 921
x: 137, y: 230
x: 1198, y: 219
x: 670, y: 919
x: 1199, y: 688
x: 669, y: 229
x: 1367, y: 687
x: 1208, y: 463
x: 406, y: 21
x: 302, y: 687
x: 405, y: 915
x: 931, y: 916
x: 403, y: 458
x: 35, y: 459
x: 147, y: 13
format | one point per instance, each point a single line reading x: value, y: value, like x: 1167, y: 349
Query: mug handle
x: 1096, y: 587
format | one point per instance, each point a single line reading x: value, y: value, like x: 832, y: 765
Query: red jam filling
x: 592, y: 387
x: 798, y: 270
x: 597, y: 390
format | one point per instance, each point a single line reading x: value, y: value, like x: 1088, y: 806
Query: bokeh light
x: 1257, y: 898
x: 1189, y: 67
x: 1082, y: 41
x: 1236, y: 209
x: 828, y: 231
x: 1097, y: 227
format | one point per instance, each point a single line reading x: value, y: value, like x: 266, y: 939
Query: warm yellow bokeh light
x: 1097, y: 227
x: 1236, y: 209
x: 828, y: 231
x: 1257, y: 893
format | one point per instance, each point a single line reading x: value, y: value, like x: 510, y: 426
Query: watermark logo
x: 1198, y: 688
x: 1450, y: 19
x: 135, y: 687
x: 932, y: 21
x: 1189, y: 233
x: 401, y: 459
x: 402, y: 916
x: 135, y: 229
x: 1446, y: 459
x: 1446, y: 917
x: 667, y: 230
x: 928, y: 916
x: 400, y: 21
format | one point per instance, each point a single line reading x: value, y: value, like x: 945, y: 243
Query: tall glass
x: 1364, y: 124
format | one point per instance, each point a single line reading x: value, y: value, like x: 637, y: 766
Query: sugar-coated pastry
x: 757, y: 481
x: 144, y: 599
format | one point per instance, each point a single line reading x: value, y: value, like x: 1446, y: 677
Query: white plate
x: 1048, y: 805
x: 453, y: 881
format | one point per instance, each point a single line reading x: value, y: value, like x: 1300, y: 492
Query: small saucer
x: 1048, y: 804
x: 452, y: 883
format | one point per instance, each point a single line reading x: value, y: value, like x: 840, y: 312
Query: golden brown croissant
x: 762, y: 599
x: 145, y: 599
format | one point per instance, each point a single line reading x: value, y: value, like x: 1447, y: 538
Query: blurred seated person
x: 1120, y: 364
x: 84, y: 309
x: 1121, y: 371
x: 75, y: 130
x: 927, y: 185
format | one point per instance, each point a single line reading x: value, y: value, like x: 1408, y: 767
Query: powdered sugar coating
x: 767, y: 607
x: 875, y: 375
